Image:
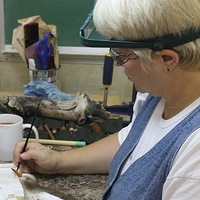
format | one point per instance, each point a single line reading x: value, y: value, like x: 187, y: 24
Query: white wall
x: 72, y: 77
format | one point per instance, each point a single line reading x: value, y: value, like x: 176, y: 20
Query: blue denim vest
x: 145, y: 178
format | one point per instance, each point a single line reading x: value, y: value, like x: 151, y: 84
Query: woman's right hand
x: 37, y: 158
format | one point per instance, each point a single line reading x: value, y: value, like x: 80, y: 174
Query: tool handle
x: 107, y: 70
x: 60, y: 142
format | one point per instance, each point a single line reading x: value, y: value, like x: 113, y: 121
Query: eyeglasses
x: 121, y: 58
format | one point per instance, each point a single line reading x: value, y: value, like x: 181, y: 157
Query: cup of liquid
x: 11, y: 132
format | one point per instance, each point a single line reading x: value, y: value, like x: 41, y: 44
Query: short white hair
x: 144, y: 19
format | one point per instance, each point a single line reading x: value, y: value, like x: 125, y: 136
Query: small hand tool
x: 29, y: 133
x: 49, y: 132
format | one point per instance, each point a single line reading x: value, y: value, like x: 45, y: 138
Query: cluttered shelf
x: 92, y: 129
x: 79, y: 186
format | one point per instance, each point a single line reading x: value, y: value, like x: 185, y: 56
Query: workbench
x: 82, y: 187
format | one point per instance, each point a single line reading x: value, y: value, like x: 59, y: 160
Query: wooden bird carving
x: 33, y: 191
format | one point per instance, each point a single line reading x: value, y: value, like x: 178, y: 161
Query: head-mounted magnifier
x: 91, y: 38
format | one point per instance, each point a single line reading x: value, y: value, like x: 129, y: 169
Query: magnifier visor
x: 91, y: 38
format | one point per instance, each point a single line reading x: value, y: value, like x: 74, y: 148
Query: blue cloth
x: 145, y: 178
x: 47, y: 90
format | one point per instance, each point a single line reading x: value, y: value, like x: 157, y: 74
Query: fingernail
x: 23, y: 155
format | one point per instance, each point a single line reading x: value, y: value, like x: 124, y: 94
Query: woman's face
x: 150, y: 81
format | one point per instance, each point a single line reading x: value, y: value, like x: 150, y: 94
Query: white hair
x: 144, y: 19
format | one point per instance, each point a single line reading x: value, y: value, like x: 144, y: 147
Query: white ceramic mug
x: 11, y: 132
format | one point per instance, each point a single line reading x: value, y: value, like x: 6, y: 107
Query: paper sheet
x: 10, y: 186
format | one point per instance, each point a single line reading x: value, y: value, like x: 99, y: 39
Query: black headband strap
x: 156, y: 44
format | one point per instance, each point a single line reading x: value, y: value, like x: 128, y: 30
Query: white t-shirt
x: 183, y: 181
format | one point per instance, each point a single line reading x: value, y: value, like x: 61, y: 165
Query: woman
x: 157, y: 155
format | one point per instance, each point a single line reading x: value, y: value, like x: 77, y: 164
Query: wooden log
x: 77, y: 109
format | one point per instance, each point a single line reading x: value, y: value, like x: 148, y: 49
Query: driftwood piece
x: 73, y: 110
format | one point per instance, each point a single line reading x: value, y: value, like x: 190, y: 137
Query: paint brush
x: 29, y: 133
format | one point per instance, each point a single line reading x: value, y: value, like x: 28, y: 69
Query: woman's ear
x: 169, y: 58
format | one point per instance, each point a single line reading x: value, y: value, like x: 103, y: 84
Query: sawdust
x: 82, y: 187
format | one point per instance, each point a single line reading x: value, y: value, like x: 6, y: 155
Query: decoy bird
x: 33, y: 191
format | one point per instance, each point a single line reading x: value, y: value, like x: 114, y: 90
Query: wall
x: 73, y: 77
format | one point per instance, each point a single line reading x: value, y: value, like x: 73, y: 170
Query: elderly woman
x: 157, y: 155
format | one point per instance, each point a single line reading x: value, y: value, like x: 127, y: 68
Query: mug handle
x: 34, y: 130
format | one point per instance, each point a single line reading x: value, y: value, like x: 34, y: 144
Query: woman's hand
x: 91, y: 159
x: 37, y: 157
